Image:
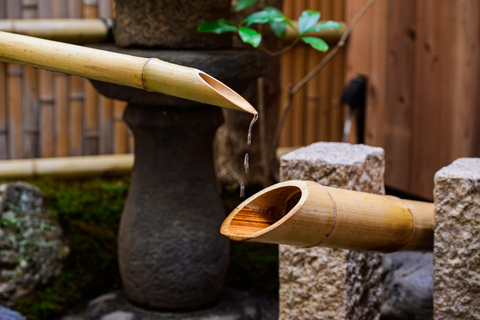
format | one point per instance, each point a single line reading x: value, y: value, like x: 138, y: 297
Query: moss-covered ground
x: 89, y: 212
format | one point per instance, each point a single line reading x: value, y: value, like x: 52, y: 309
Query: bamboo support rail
x: 78, y: 31
x: 304, y: 213
x: 69, y: 167
x: 142, y: 73
x: 328, y: 35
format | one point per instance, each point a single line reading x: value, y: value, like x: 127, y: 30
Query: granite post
x: 456, y: 275
x: 325, y: 283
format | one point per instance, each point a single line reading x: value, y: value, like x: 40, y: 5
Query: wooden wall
x: 316, y: 113
x: 45, y: 114
x: 422, y: 61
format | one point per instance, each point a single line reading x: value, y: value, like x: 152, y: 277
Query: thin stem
x: 280, y: 52
x: 311, y: 74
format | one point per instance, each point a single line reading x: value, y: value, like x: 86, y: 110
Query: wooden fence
x: 45, y: 114
x: 316, y: 113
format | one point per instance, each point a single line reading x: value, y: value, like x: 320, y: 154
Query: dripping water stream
x: 246, y: 159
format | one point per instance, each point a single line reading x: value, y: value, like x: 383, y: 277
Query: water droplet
x: 246, y: 163
x: 242, y: 190
x: 249, y: 135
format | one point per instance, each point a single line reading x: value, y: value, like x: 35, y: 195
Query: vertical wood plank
x: 285, y: 82
x: 30, y: 98
x: 46, y: 96
x: 120, y: 127
x: 3, y: 95
x: 106, y: 127
x: 312, y: 94
x: 3, y: 112
x: 76, y: 96
x: 60, y: 80
x: 14, y: 95
x: 298, y: 101
x: 91, y: 131
x: 14, y: 102
x: 338, y: 80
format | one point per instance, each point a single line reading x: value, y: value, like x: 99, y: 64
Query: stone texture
x: 457, y: 241
x: 232, y: 305
x: 408, y: 286
x: 171, y: 253
x: 7, y: 314
x: 169, y: 23
x: 31, y: 247
x: 323, y: 283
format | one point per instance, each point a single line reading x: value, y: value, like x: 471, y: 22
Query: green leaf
x: 268, y: 14
x: 279, y: 28
x: 217, y: 26
x: 242, y: 4
x: 324, y: 26
x: 316, y: 43
x: 307, y: 19
x: 250, y: 36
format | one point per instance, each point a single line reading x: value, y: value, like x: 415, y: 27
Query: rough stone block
x: 457, y: 241
x: 323, y: 283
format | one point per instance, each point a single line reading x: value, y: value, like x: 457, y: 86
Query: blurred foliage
x: 89, y: 213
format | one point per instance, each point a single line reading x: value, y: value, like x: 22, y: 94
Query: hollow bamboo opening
x: 304, y: 213
x: 264, y: 212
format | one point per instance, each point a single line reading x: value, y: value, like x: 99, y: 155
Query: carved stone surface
x: 457, y: 241
x: 169, y: 23
x: 323, y: 283
x: 32, y: 250
x: 171, y: 253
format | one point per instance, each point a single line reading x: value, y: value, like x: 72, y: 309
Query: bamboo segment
x: 148, y: 74
x: 331, y: 36
x: 304, y: 213
x: 70, y: 167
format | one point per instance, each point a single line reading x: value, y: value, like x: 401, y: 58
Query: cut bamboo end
x: 304, y: 213
x: 148, y: 74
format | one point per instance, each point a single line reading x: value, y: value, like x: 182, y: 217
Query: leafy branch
x: 278, y: 23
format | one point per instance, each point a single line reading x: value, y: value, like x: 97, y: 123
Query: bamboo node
x: 334, y: 206
x: 144, y: 87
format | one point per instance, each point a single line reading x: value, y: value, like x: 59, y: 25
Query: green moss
x: 89, y: 213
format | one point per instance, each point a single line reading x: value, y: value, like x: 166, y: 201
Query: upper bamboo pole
x: 304, y: 213
x: 143, y: 73
x: 77, y: 31
x: 328, y: 35
x: 69, y: 167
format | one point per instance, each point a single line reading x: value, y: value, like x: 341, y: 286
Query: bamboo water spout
x: 143, y: 73
x: 304, y: 213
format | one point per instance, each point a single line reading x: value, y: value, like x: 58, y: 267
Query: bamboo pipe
x: 328, y: 35
x: 304, y: 213
x: 68, y: 167
x: 76, y: 31
x: 143, y: 73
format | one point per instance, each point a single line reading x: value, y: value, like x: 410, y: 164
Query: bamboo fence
x: 45, y: 114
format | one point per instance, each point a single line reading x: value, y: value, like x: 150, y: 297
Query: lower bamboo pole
x: 304, y: 213
x: 69, y: 167
x: 143, y: 73
x: 76, y: 31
